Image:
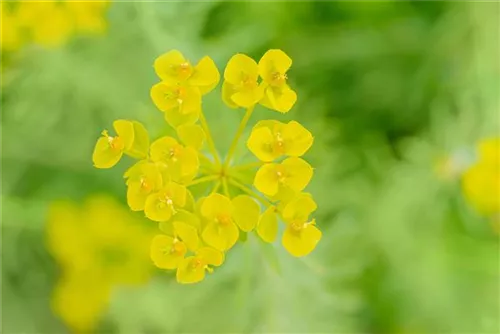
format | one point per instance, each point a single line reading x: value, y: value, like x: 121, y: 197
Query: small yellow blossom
x: 193, y: 268
x: 272, y: 139
x: 88, y: 15
x: 300, y: 236
x: 162, y: 205
x: 223, y: 217
x: 178, y: 98
x: 181, y: 162
x: 481, y: 182
x: 293, y: 173
x: 167, y: 252
x: 272, y: 68
x: 132, y: 139
x: 173, y: 68
x: 240, y: 87
x: 143, y: 178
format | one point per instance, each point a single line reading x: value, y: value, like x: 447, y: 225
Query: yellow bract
x: 293, y: 173
x: 271, y: 140
x: 180, y: 162
x: 267, y: 227
x: 167, y: 252
x: 132, y: 139
x: 162, y: 205
x: 481, y: 182
x: 192, y: 269
x: 240, y: 88
x: 300, y: 236
x: 191, y: 135
x: 143, y: 178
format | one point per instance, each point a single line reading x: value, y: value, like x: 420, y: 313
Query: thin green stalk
x: 210, y: 140
x: 241, y: 128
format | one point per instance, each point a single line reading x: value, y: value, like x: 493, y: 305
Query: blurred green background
x: 396, y: 93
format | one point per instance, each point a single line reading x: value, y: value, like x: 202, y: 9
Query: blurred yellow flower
x: 196, y: 232
x: 240, y: 87
x: 300, y: 236
x: 272, y: 68
x: 481, y: 181
x: 98, y: 246
x: 293, y: 173
x: 272, y: 139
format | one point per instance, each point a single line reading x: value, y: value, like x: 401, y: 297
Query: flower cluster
x: 481, y: 181
x: 98, y: 246
x: 49, y: 23
x: 197, y: 232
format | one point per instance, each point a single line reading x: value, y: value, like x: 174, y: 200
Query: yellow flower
x: 271, y: 139
x: 11, y: 38
x: 193, y: 268
x: 180, y: 162
x: 132, y: 139
x: 240, y: 88
x: 223, y: 217
x: 173, y: 68
x: 167, y: 252
x: 301, y: 236
x: 293, y: 173
x: 143, y: 178
x: 481, y: 182
x: 272, y: 68
x: 162, y: 205
x: 88, y: 16
x: 191, y: 135
x: 178, y: 98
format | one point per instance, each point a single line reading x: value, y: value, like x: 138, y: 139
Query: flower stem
x: 250, y: 192
x: 250, y: 165
x: 210, y: 140
x: 241, y: 128
x: 203, y: 179
x: 216, y: 187
x: 226, y: 188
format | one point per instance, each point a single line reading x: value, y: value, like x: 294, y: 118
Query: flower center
x: 279, y: 144
x: 177, y: 247
x: 115, y: 143
x: 279, y: 79
x: 223, y: 219
x: 280, y: 174
x: 197, y: 263
x: 145, y: 185
x: 297, y: 226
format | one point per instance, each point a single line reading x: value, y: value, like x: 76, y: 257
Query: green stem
x: 250, y: 165
x: 241, y: 128
x: 250, y: 192
x: 210, y: 140
x: 216, y: 187
x: 225, y: 187
x: 203, y: 179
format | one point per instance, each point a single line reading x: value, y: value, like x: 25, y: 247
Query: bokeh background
x: 398, y: 95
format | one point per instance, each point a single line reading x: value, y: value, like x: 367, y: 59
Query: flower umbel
x: 198, y: 230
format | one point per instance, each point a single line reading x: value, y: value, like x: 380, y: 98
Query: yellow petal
x: 140, y: 146
x: 216, y: 205
x: 167, y: 228
x: 162, y: 148
x: 240, y: 68
x: 299, y: 208
x: 125, y: 130
x: 297, y: 139
x: 489, y: 151
x: 299, y: 173
x: 280, y: 99
x: 190, y: 100
x: 481, y: 184
x: 188, y: 218
x: 211, y: 256
x: 188, y: 234
x: 246, y: 212
x: 260, y: 143
x: 302, y: 242
x: 266, y: 179
x: 169, y: 67
x: 174, y: 118
x: 157, y: 209
x: 206, y: 75
x: 136, y: 196
x: 104, y: 156
x: 228, y: 90
x: 220, y: 236
x: 191, y: 135
x: 248, y: 97
x: 164, y: 254
x: 274, y: 61
x: 189, y: 161
x: 267, y: 228
x: 188, y: 272
x: 177, y: 193
x: 164, y: 96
